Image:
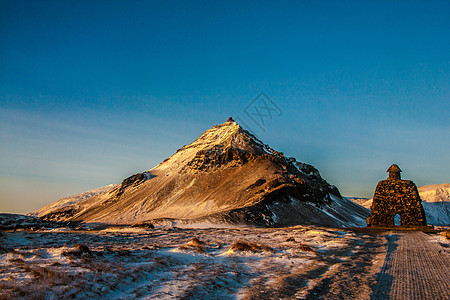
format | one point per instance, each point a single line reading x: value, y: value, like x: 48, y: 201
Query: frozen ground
x: 303, y: 262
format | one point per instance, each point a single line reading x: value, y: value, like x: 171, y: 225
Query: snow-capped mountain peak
x: 226, y: 175
x: 435, y: 193
x: 220, y: 138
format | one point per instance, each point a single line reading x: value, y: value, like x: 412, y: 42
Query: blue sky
x: 94, y: 91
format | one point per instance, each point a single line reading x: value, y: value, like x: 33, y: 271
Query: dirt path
x: 416, y: 267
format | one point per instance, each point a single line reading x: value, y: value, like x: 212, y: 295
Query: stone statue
x: 393, y: 197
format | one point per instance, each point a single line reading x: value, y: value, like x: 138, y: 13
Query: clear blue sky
x: 94, y: 91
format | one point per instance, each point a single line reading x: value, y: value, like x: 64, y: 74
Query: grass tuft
x: 247, y: 246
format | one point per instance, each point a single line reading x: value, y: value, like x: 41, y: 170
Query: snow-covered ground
x: 168, y: 263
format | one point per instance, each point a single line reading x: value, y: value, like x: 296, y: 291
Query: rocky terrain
x: 226, y: 176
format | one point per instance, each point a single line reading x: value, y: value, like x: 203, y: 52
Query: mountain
x: 435, y: 202
x: 225, y: 176
x: 435, y: 193
x: 364, y: 202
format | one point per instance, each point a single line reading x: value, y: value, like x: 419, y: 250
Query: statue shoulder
x: 382, y: 183
x: 409, y: 183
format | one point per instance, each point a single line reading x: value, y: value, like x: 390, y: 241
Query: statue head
x: 394, y: 172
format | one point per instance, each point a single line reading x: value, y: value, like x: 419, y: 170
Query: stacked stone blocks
x: 396, y: 196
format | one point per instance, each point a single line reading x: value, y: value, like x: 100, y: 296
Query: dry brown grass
x: 194, y: 244
x: 36, y: 287
x: 306, y: 248
x: 60, y: 281
x: 78, y: 251
x: 446, y: 233
x: 252, y: 247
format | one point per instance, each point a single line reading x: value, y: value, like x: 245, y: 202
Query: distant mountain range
x: 226, y: 176
x: 435, y: 202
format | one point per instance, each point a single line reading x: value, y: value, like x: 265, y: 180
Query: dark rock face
x: 396, y: 196
x: 208, y: 160
x: 133, y: 180
x: 296, y: 179
x: 57, y: 215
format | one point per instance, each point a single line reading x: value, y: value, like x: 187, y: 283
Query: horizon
x: 91, y: 93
